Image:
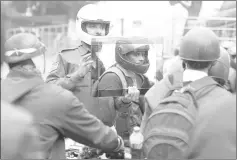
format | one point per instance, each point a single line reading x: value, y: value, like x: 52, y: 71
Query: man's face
x: 96, y: 29
x: 136, y: 57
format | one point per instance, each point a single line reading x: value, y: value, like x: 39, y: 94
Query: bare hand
x: 173, y: 65
x: 133, y: 94
x: 84, y: 65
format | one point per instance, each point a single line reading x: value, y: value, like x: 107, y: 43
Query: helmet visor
x: 95, y: 27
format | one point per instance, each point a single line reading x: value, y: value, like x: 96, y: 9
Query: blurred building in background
x: 54, y: 21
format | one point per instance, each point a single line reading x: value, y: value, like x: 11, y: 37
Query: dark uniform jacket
x: 62, y: 70
x: 57, y: 113
x: 111, y: 85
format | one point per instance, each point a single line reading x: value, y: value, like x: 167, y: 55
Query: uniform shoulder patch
x: 72, y: 55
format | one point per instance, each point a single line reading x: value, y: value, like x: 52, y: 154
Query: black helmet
x: 125, y: 46
x: 200, y: 44
x: 221, y: 68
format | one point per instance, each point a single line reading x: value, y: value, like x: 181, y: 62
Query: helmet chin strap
x: 88, y: 46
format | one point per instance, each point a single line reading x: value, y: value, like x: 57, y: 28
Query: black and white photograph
x: 118, y: 80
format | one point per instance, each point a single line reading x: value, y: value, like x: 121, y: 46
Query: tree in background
x: 21, y: 13
x: 193, y: 8
x: 44, y: 8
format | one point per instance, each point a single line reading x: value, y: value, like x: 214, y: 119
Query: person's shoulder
x: 221, y: 126
x: 63, y: 55
x: 214, y: 92
x: 20, y: 114
x: 74, y: 54
x: 59, y: 94
x: 109, y: 77
x: 222, y: 90
x: 67, y: 100
x: 109, y: 80
x: 79, y: 48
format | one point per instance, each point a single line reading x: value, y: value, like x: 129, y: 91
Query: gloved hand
x: 84, y: 67
x: 133, y: 95
x: 118, y: 153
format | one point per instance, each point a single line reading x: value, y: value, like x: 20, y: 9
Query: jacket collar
x: 19, y: 82
x: 85, y: 47
x: 130, y: 74
x: 193, y: 75
x: 126, y: 72
x: 23, y: 73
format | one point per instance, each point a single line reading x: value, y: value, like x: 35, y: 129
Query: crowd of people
x: 190, y: 113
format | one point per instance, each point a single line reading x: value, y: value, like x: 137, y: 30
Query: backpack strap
x: 120, y: 74
x: 11, y: 94
x: 202, y: 83
x: 192, y: 88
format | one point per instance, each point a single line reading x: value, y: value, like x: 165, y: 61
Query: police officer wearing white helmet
x: 57, y: 112
x: 90, y: 23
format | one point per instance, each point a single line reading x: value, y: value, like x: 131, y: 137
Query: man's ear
x: 184, y: 65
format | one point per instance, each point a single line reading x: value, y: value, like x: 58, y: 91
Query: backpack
x: 168, y: 128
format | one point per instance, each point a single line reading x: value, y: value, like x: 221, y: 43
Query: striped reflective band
x: 27, y: 50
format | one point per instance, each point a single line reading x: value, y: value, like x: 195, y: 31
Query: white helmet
x: 90, y: 13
